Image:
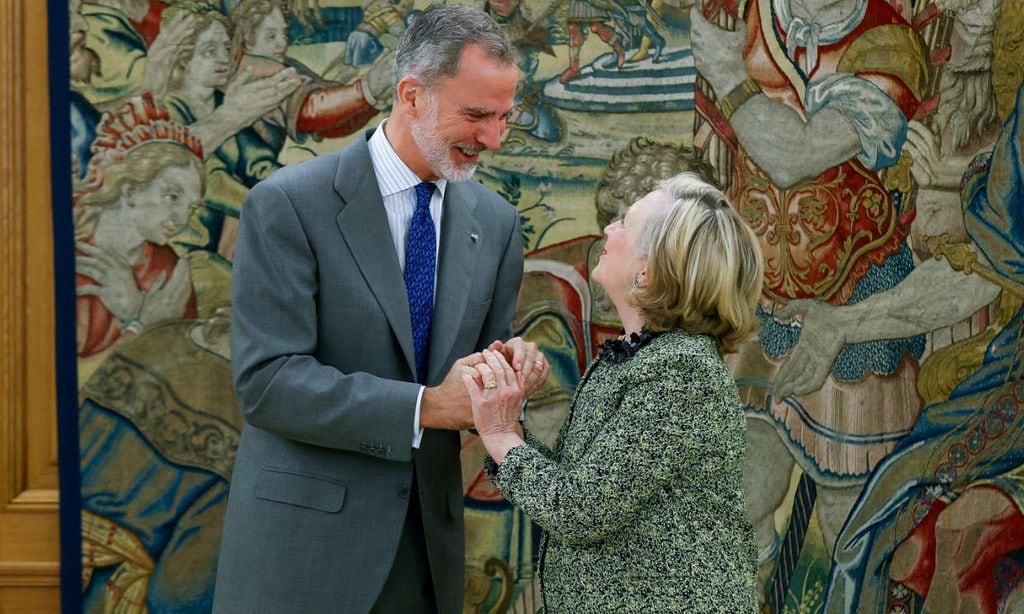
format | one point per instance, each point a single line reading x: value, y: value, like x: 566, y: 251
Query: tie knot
x: 423, y: 193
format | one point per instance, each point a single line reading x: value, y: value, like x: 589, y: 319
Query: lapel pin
x: 473, y: 237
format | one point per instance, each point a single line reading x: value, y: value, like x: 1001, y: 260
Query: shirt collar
x: 393, y: 175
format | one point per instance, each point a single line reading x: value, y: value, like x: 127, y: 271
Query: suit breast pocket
x: 477, y: 311
x: 301, y: 489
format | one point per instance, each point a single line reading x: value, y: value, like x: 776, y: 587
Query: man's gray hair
x: 431, y: 47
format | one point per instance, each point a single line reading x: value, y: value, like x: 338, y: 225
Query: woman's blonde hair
x: 140, y: 166
x: 704, y: 266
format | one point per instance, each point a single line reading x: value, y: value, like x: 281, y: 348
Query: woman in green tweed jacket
x: 641, y: 499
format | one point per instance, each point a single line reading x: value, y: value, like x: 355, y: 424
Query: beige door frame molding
x: 29, y: 524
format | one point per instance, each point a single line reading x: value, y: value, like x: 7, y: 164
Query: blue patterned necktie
x: 420, y: 255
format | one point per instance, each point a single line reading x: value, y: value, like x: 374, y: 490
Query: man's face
x: 270, y: 37
x: 465, y: 114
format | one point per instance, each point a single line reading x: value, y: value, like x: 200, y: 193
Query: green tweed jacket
x: 641, y: 500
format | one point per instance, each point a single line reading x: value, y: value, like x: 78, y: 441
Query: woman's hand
x: 526, y: 360
x: 115, y: 281
x: 168, y: 297
x: 497, y: 402
x: 164, y: 52
x: 245, y: 101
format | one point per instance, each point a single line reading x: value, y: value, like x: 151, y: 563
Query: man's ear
x: 410, y: 96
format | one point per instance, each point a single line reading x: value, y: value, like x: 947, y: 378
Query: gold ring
x: 490, y: 384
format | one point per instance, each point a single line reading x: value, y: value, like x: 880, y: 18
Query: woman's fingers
x: 88, y: 290
x: 494, y: 363
x: 489, y: 380
x: 87, y: 248
x: 90, y: 267
x: 98, y: 254
x: 507, y: 370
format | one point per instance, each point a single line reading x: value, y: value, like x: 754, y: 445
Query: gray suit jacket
x: 323, y: 364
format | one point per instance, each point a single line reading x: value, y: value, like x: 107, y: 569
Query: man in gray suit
x: 360, y: 279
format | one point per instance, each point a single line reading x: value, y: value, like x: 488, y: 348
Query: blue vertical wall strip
x: 64, y: 312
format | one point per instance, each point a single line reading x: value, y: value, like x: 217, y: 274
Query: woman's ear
x: 127, y: 191
x: 640, y: 280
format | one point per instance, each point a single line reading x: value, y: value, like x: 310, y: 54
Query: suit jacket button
x: 403, y: 492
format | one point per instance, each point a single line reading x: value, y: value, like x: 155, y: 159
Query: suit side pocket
x: 301, y: 489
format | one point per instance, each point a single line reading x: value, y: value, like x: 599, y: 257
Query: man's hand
x: 932, y: 169
x: 526, y: 360
x: 821, y: 338
x: 447, y: 405
x: 718, y: 53
x: 377, y: 80
x: 247, y: 99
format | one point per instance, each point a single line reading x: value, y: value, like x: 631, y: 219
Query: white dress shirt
x: 397, y: 184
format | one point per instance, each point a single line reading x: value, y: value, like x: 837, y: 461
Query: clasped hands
x: 501, y: 376
x: 496, y: 397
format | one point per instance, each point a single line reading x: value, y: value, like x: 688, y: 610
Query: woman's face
x: 162, y: 207
x: 620, y: 261
x: 210, y: 64
x: 270, y: 38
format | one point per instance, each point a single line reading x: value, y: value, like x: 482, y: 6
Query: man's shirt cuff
x: 418, y: 430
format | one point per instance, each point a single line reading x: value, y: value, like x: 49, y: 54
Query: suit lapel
x: 457, y: 258
x: 364, y: 227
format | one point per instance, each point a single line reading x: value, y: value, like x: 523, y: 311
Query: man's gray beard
x: 436, y: 151
x: 967, y: 105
